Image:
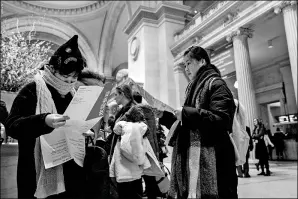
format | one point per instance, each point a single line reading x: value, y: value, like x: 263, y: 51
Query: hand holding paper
x: 55, y: 120
x: 66, y: 141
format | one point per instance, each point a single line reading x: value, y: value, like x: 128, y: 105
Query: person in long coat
x: 203, y: 159
x: 37, y: 110
x: 261, y: 152
x: 150, y: 181
x: 261, y: 149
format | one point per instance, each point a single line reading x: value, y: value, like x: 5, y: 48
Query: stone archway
x: 107, y: 38
x: 54, y: 27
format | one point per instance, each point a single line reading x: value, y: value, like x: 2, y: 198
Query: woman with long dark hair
x: 261, y: 149
x: 203, y: 159
x: 124, y: 98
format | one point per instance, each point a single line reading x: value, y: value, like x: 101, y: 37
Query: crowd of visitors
x: 132, y: 138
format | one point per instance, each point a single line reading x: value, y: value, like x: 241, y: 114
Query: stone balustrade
x: 200, y: 18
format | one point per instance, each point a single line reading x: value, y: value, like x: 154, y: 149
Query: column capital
x: 239, y: 32
x: 164, y: 10
x: 284, y: 5
x: 179, y: 67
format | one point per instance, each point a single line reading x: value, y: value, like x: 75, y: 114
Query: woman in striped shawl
x: 203, y: 160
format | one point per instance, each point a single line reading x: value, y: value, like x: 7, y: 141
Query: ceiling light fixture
x: 270, y: 43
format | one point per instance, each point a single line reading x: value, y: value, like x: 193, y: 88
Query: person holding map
x: 203, y: 159
x: 90, y: 78
x: 36, y: 111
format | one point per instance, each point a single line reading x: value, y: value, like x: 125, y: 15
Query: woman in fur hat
x: 37, y: 110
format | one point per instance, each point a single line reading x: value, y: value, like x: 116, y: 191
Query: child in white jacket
x: 133, y: 155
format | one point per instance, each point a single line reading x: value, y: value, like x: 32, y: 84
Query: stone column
x: 181, y: 82
x: 289, y: 87
x: 150, y: 35
x: 289, y: 10
x: 246, y: 92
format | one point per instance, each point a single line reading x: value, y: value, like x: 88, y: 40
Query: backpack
x: 239, y: 137
x: 96, y: 168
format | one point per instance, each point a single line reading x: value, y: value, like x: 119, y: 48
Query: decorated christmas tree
x: 21, y: 56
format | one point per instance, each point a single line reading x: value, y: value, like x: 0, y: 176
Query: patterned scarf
x: 49, y: 181
x: 193, y: 164
x: 62, y: 87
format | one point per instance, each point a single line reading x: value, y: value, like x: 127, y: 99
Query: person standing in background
x: 279, y: 137
x: 250, y: 148
x: 269, y: 140
x: 239, y: 128
x: 261, y: 149
x: 150, y: 181
x: 3, y: 116
x: 268, y: 143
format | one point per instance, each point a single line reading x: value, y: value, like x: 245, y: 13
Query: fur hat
x: 68, y: 58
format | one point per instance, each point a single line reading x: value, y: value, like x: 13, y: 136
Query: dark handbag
x: 96, y: 169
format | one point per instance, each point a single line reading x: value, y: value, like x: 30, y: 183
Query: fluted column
x: 246, y: 92
x: 289, y: 10
x: 290, y: 104
x: 181, y: 82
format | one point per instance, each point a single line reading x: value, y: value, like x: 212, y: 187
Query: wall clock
x: 134, y: 48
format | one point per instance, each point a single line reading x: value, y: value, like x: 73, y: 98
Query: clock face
x: 134, y: 48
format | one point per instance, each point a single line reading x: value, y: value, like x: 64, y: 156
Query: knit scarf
x: 49, y: 181
x: 193, y: 164
x: 62, y: 87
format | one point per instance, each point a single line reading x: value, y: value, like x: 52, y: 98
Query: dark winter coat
x: 151, y: 122
x: 112, y: 138
x: 3, y: 112
x: 25, y: 126
x: 261, y: 149
x: 207, y: 118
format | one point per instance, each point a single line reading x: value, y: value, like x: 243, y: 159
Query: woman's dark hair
x: 198, y: 53
x: 137, y: 97
x: 259, y: 122
x: 111, y: 121
x: 126, y: 90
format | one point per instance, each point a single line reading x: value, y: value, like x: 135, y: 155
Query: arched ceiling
x: 101, y: 22
x: 85, y: 18
x: 58, y: 8
x: 62, y: 4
